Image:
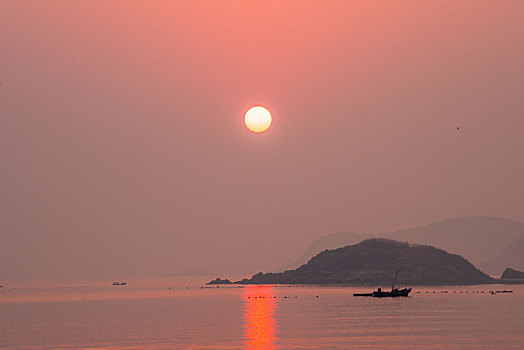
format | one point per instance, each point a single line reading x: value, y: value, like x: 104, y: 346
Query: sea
x: 180, y: 312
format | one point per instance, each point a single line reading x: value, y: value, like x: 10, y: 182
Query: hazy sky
x: 123, y: 149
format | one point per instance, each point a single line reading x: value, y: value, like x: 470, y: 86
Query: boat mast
x: 394, y: 281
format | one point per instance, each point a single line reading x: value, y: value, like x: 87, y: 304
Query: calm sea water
x: 164, y: 314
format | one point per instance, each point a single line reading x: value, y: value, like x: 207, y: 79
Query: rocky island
x: 374, y: 261
x: 220, y: 281
x: 512, y: 274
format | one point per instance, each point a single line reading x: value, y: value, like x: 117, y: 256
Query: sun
x: 258, y: 119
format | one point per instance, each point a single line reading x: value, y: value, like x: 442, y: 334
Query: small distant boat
x: 395, y: 292
x: 119, y: 283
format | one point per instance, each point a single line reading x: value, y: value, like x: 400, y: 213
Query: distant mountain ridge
x: 512, y: 255
x: 488, y: 242
x: 374, y: 262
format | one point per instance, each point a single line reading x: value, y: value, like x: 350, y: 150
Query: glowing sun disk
x: 258, y: 119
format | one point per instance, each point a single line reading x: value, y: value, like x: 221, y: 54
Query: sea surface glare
x: 175, y: 313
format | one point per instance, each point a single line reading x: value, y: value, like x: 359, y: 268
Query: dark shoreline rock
x: 512, y: 274
x: 220, y: 281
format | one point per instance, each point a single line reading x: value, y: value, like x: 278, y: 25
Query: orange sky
x: 123, y: 147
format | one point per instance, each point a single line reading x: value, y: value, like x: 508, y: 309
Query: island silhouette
x: 373, y: 261
x: 490, y: 243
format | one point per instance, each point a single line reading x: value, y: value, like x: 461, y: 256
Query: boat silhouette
x: 119, y: 283
x: 379, y: 293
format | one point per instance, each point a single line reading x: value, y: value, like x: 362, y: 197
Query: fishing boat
x: 379, y: 293
x: 119, y: 283
x: 395, y: 292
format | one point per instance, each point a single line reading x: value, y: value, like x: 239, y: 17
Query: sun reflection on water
x: 260, y: 325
